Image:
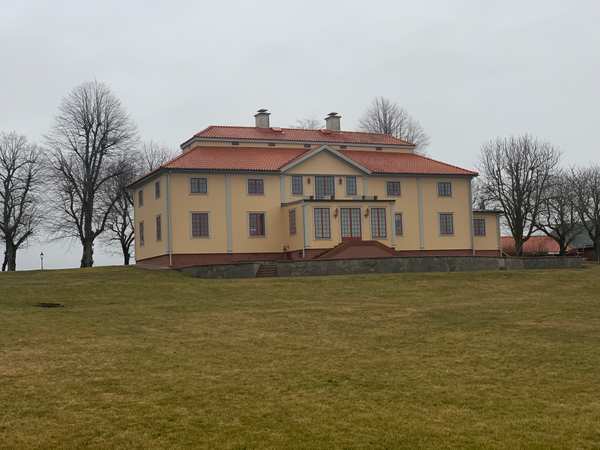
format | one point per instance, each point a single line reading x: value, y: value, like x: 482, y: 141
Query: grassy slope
x: 156, y: 359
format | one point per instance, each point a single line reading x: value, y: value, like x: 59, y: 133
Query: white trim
x: 228, y: 220
x: 451, y: 214
x: 281, y: 188
x: 318, y: 150
x: 263, y: 236
x: 169, y: 223
x: 384, y: 238
x: 194, y: 139
x: 255, y: 177
x: 304, y: 229
x: 421, y: 220
x: 192, y: 177
x: 192, y: 225
x: 471, y: 228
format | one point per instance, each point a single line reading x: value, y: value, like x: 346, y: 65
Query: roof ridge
x: 333, y: 132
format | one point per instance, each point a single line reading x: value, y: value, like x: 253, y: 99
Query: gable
x: 324, y: 161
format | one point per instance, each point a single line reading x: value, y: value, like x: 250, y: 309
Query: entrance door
x: 350, y: 220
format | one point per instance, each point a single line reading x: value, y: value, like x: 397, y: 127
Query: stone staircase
x: 266, y: 270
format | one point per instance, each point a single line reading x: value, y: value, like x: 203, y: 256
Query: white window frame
x: 198, y: 178
x: 440, y: 223
x: 208, y: 236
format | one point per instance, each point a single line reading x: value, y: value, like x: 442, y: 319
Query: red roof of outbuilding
x: 273, y: 159
x: 533, y: 245
x: 299, y: 135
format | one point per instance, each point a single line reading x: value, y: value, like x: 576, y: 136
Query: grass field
x: 142, y: 359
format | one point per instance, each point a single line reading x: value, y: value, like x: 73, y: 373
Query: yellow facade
x: 228, y: 204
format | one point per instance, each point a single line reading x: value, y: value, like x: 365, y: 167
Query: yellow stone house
x: 265, y: 193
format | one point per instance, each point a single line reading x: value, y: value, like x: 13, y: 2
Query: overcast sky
x: 467, y: 70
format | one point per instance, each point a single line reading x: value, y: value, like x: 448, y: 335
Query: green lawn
x: 141, y: 359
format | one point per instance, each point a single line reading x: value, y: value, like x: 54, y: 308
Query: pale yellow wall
x: 324, y: 163
x: 269, y: 203
x: 147, y: 213
x: 406, y: 203
x: 459, y: 204
x: 277, y: 227
x: 295, y: 241
x: 183, y: 203
x: 490, y: 240
x: 336, y: 227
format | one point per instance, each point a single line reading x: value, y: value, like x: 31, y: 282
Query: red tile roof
x: 298, y: 135
x: 409, y: 163
x: 272, y: 159
x: 533, y: 245
x: 235, y: 158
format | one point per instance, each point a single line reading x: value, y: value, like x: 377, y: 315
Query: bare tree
x: 90, y: 135
x: 586, y: 185
x: 479, y: 200
x: 516, y: 172
x: 387, y: 117
x: 119, y: 225
x: 152, y: 155
x: 308, y: 124
x: 558, y: 215
x: 20, y: 180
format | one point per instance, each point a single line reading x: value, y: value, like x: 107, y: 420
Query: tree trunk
x: 87, y: 259
x: 562, y: 247
x: 10, y: 257
x: 4, y: 262
x: 126, y: 257
x: 518, y: 246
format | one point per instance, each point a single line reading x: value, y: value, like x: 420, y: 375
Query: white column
x: 228, y: 213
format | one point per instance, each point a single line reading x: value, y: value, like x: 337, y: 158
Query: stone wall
x: 385, y: 265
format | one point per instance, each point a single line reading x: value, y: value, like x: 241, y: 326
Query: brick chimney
x: 262, y: 118
x: 332, y: 121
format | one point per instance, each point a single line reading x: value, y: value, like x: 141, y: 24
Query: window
x: 256, y: 224
x: 393, y: 188
x: 446, y: 223
x: 200, y: 225
x: 256, y: 186
x: 141, y: 231
x: 140, y: 198
x: 398, y: 226
x: 198, y: 185
x: 322, y: 223
x: 378, y: 225
x: 479, y: 227
x: 157, y: 190
x: 292, y: 218
x: 350, y: 218
x: 350, y: 185
x: 324, y: 186
x: 444, y: 189
x: 297, y: 187
x: 158, y: 229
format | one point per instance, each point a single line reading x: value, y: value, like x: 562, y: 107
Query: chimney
x: 332, y: 121
x: 262, y: 118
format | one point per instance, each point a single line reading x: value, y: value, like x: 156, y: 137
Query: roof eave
x: 286, y: 141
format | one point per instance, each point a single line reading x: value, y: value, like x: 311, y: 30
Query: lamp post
x: 42, y: 260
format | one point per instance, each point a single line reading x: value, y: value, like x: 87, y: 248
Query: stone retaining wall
x: 385, y: 265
